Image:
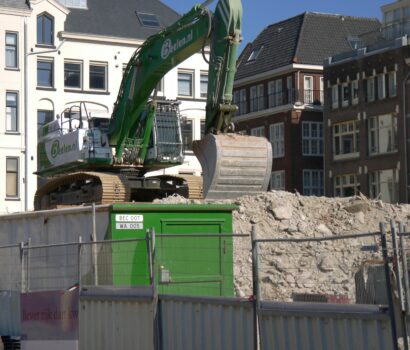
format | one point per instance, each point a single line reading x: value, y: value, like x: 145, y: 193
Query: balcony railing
x: 291, y: 96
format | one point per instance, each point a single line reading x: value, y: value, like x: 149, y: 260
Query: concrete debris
x: 324, y: 267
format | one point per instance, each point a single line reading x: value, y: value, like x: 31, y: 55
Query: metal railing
x: 272, y: 100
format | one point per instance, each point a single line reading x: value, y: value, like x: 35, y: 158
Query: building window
x: 254, y: 54
x: 308, y: 89
x: 98, y: 76
x: 239, y: 97
x: 73, y: 75
x: 185, y: 83
x: 313, y: 182
x: 381, y: 87
x: 187, y: 131
x: 277, y: 139
x: 384, y: 185
x: 346, y: 139
x: 370, y: 89
x: 45, y: 74
x: 11, y: 112
x: 11, y: 50
x: 82, y: 4
x: 312, y: 138
x: 259, y: 131
x: 335, y: 96
x: 45, y: 30
x: 345, y: 94
x: 355, y: 92
x: 12, y: 177
x: 346, y: 185
x: 44, y: 117
x: 148, y: 20
x: 257, y: 98
x: 204, y: 84
x: 277, y: 180
x: 392, y: 84
x: 383, y: 134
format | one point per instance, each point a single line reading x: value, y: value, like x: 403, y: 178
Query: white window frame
x: 277, y: 139
x: 345, y: 94
x: 12, y: 112
x: 342, y: 182
x: 310, y: 140
x: 381, y: 86
x: 354, y: 92
x: 278, y: 180
x: 14, y: 49
x: 98, y: 64
x: 80, y: 63
x: 375, y: 185
x: 343, y: 129
x: 335, y: 96
x: 392, y: 84
x: 374, y: 136
x: 310, y: 186
x: 308, y: 93
x: 191, y: 82
x: 371, y: 89
x: 258, y: 131
x: 17, y: 174
x: 203, y: 88
x: 278, y: 92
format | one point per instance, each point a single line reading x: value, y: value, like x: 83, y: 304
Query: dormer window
x: 254, y: 54
x: 45, y: 30
x: 148, y: 20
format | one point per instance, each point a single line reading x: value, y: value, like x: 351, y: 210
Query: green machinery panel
x: 184, y: 264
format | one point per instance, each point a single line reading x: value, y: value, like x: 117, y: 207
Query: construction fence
x: 227, y: 291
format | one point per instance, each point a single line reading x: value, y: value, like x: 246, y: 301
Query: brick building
x: 279, y: 90
x: 366, y: 120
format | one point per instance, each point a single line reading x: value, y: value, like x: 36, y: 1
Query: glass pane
x: 187, y: 133
x: 48, y: 31
x: 39, y: 29
x: 11, y: 185
x: 72, y: 75
x: 97, y: 77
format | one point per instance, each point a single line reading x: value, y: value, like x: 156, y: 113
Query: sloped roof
x: 118, y: 18
x: 308, y: 38
x: 17, y: 4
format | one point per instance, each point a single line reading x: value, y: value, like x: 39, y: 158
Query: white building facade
x: 47, y: 68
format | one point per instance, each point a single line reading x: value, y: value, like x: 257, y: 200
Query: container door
x: 188, y: 265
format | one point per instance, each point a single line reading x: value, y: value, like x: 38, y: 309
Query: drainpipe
x: 25, y: 120
x: 406, y: 180
x: 26, y: 117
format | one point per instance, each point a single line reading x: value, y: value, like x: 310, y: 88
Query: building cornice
x: 274, y: 72
x: 15, y: 12
x: 99, y: 38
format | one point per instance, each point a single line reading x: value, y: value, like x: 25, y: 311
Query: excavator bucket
x: 233, y: 165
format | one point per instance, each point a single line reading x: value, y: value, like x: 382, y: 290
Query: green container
x: 184, y: 265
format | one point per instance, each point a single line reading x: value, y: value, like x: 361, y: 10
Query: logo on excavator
x: 57, y: 150
x: 169, y: 47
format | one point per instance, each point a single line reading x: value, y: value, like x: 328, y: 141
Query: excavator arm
x: 228, y: 161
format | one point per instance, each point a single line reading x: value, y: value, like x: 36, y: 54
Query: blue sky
x: 258, y: 14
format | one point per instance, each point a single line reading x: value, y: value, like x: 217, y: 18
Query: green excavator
x: 89, y: 159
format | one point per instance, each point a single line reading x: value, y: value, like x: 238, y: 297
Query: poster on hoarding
x: 50, y: 315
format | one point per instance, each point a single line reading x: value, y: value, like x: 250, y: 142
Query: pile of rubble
x: 328, y: 268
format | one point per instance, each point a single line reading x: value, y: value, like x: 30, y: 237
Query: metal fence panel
x: 115, y: 318
x: 205, y: 323
x: 317, y: 326
x: 10, y: 323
